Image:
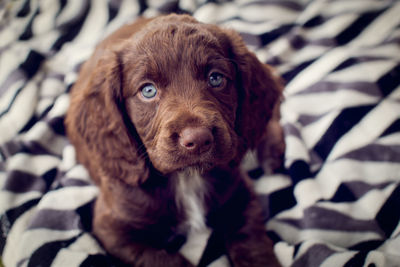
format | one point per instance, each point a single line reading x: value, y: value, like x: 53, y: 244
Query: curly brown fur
x: 213, y: 101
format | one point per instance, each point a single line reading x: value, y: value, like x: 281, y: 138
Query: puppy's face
x: 180, y: 93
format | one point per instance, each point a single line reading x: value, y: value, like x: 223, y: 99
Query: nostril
x: 196, y: 139
x: 189, y: 145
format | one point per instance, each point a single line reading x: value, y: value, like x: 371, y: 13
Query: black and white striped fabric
x: 335, y: 203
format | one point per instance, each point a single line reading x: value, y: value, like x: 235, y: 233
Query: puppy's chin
x: 167, y: 163
x: 200, y: 168
x: 166, y: 167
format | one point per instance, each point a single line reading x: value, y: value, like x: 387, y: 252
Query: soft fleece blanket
x: 336, y: 201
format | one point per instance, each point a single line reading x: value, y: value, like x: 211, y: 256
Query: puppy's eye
x: 149, y: 91
x: 215, y: 79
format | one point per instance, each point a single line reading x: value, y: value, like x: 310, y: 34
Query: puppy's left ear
x: 259, y: 91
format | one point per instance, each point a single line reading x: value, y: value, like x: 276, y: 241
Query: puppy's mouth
x: 179, y: 162
x: 201, y: 162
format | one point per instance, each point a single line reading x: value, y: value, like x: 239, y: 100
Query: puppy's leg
x: 115, y: 236
x: 250, y: 245
x: 141, y: 256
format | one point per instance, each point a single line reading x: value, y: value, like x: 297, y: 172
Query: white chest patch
x: 190, y: 197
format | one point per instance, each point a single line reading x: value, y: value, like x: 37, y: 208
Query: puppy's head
x: 190, y: 95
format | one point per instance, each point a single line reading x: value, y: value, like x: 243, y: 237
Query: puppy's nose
x: 196, y: 139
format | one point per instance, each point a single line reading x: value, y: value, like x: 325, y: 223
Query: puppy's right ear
x: 105, y: 139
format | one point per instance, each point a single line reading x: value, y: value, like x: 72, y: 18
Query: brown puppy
x: 161, y: 115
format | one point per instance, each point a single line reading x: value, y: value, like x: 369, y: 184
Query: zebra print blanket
x: 335, y: 203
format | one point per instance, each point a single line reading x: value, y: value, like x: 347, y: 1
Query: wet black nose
x: 196, y: 139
